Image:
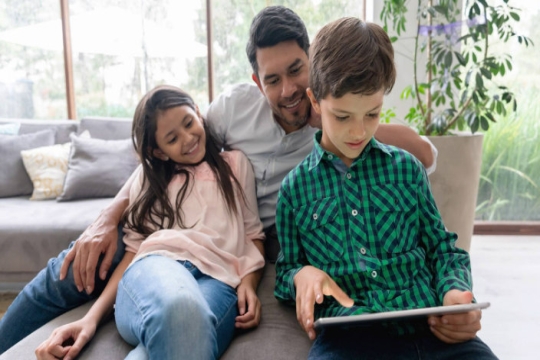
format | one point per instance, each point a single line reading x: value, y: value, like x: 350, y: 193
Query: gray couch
x: 31, y: 232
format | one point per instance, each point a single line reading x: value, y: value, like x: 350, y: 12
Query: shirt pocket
x: 394, y: 214
x: 320, y: 229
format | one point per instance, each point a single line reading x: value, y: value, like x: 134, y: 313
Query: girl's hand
x: 249, y: 306
x: 311, y: 284
x: 66, y: 341
x: 456, y: 328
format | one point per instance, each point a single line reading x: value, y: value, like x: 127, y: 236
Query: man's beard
x: 296, y: 122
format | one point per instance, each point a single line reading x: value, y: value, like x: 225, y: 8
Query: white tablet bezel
x: 365, y: 319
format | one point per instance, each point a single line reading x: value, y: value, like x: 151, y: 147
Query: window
x: 121, y: 49
x: 32, y: 80
x: 510, y: 184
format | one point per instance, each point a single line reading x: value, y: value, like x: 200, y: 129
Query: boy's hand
x: 456, y: 328
x: 311, y: 284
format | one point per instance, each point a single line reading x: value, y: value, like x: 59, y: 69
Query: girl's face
x: 180, y: 135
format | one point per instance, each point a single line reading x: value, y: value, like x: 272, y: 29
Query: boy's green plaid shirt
x: 373, y: 227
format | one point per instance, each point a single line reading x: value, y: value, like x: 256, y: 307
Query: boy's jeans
x: 170, y: 310
x: 377, y: 343
x: 46, y: 297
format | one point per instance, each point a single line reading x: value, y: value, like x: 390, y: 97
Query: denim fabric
x: 46, y: 297
x: 174, y: 311
x: 376, y: 343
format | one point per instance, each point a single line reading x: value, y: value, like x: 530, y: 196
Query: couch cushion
x: 63, y: 128
x: 34, y: 231
x: 278, y: 337
x: 13, y: 177
x: 107, y: 128
x: 98, y: 168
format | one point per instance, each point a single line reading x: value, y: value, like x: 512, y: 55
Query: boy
x: 356, y: 219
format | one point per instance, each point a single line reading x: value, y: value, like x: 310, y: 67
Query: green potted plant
x: 455, y: 91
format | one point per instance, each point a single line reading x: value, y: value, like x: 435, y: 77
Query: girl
x: 193, y: 243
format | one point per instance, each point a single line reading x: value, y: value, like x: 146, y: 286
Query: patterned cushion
x: 47, y: 168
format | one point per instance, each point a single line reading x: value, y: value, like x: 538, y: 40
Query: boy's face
x: 348, y: 122
x: 283, y: 79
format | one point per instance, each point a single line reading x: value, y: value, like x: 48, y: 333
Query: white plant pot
x: 455, y: 182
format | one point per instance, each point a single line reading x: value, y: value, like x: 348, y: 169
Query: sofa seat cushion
x: 278, y: 337
x: 31, y: 232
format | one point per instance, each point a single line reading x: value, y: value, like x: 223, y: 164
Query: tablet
x: 399, y: 315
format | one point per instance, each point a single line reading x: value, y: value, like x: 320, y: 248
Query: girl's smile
x: 180, y: 135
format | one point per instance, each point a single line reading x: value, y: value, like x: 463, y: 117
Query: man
x: 268, y: 122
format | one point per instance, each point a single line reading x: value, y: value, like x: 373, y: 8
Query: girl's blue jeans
x: 170, y: 310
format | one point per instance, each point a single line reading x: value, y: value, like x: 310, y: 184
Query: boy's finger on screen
x: 338, y: 294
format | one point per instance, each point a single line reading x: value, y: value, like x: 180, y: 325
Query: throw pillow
x: 14, y: 180
x: 47, y: 168
x: 97, y: 168
x: 10, y: 129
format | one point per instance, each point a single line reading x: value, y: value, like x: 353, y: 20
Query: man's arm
x: 100, y: 237
x: 406, y: 138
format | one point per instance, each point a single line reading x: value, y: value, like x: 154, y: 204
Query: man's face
x: 348, y: 122
x: 283, y: 79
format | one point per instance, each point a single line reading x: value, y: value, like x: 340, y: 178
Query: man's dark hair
x: 351, y: 56
x: 271, y: 26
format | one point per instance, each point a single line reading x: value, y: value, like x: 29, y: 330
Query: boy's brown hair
x: 351, y: 56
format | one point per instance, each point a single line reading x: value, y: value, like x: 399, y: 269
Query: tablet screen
x: 397, y: 315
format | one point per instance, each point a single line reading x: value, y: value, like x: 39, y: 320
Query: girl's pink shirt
x: 219, y: 243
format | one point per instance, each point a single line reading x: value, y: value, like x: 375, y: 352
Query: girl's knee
x: 182, y: 309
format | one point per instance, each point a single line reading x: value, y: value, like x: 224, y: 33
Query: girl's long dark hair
x: 153, y: 208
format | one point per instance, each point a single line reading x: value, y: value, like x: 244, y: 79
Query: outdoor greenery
x: 510, y: 181
x: 462, y: 86
x: 96, y: 91
x: 510, y: 177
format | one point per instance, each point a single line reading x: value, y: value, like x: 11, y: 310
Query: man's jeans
x: 170, y: 310
x: 46, y: 297
x: 375, y: 343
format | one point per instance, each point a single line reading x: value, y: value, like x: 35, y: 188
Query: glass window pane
x: 122, y: 49
x: 510, y: 184
x: 231, y: 21
x: 32, y: 78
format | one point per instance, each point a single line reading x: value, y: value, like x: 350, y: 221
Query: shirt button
x: 315, y: 216
x: 330, y: 157
x: 349, y: 176
x: 354, y: 212
x: 374, y: 274
x: 363, y: 251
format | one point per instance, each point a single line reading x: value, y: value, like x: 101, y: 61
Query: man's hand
x: 456, y: 328
x: 100, y: 237
x: 67, y: 341
x: 249, y: 306
x: 406, y: 138
x: 311, y: 284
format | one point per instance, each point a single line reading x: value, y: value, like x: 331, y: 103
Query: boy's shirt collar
x: 318, y: 153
